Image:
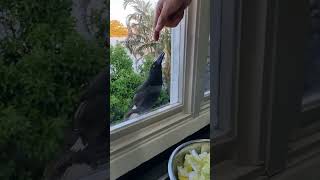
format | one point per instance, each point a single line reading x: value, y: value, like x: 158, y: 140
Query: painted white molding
x: 137, y: 147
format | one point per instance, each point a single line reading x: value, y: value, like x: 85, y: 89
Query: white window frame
x: 138, y: 141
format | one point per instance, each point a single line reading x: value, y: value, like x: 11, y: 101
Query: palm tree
x: 140, y: 35
x: 165, y: 44
x: 139, y: 23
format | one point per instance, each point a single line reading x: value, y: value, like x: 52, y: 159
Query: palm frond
x: 140, y: 30
x: 127, y: 2
x: 147, y: 45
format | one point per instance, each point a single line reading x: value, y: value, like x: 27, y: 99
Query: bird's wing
x: 142, y: 87
x: 139, y: 97
x: 91, y: 120
x: 139, y: 93
x: 153, y: 93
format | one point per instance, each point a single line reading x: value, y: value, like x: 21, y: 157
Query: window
x: 133, y: 53
x: 276, y: 116
x: 51, y: 52
x: 137, y: 139
x: 252, y: 147
x: 290, y: 113
x: 206, y: 76
x: 312, y: 62
x: 310, y: 99
x: 309, y: 113
x: 307, y: 84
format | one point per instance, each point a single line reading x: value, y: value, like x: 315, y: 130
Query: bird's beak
x: 160, y: 58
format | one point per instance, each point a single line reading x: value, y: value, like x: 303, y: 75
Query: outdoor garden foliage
x: 143, y: 50
x: 44, y: 63
x: 125, y: 81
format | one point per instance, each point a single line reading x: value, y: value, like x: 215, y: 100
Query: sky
x: 118, y: 13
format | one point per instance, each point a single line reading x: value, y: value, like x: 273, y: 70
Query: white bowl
x: 177, y: 156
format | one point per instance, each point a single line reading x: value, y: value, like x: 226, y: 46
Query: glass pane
x: 312, y: 64
x: 207, y: 74
x: 140, y: 74
x: 52, y: 72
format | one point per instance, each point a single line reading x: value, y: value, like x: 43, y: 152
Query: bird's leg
x: 132, y: 111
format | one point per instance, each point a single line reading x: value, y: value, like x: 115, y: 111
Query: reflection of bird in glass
x: 312, y: 63
x: 87, y: 143
x: 149, y: 92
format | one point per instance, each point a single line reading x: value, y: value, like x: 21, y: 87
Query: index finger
x: 158, y: 11
x: 159, y: 27
x: 163, y: 17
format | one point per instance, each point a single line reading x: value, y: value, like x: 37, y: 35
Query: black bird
x: 148, y: 93
x: 88, y: 140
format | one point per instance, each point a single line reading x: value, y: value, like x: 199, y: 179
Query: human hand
x: 168, y: 13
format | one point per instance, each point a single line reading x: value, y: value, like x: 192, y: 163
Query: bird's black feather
x: 89, y: 125
x: 148, y: 93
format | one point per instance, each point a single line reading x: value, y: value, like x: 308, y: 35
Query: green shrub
x: 44, y: 63
x: 124, y: 82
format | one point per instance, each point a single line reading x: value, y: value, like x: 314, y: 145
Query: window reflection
x: 206, y: 83
x: 312, y: 62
